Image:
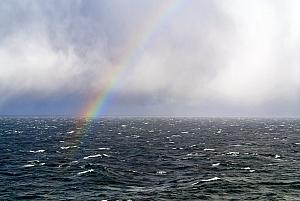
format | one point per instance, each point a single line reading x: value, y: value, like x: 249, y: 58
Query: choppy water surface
x: 150, y: 159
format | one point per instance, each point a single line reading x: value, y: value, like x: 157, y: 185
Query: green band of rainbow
x: 100, y: 100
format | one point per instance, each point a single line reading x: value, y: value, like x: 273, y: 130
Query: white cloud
x: 29, y: 63
x: 261, y: 68
x: 243, y: 55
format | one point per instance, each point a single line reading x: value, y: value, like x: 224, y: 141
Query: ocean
x: 149, y: 159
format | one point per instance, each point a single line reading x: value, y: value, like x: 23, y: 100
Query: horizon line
x: 156, y: 116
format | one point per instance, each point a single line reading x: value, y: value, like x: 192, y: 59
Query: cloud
x: 45, y: 51
x: 240, y: 53
x: 207, y: 53
x: 263, y: 67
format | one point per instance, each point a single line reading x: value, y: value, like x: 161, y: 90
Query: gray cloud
x: 230, y: 55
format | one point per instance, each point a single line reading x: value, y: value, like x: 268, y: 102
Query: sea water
x: 149, y: 159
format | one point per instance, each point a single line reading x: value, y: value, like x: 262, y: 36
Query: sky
x: 204, y: 58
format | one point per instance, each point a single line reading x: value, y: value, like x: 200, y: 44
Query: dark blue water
x: 150, y: 159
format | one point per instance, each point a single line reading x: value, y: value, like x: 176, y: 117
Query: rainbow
x: 99, y: 101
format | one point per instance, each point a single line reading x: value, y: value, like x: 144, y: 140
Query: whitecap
x: 70, y: 132
x: 208, y: 149
x: 68, y: 147
x: 104, y: 148
x: 92, y: 156
x: 105, y: 155
x: 215, y: 164
x: 86, y: 171
x: 233, y: 153
x: 33, y: 161
x: 28, y: 165
x: 161, y: 172
x: 184, y: 132
x: 211, y: 179
x: 38, y: 151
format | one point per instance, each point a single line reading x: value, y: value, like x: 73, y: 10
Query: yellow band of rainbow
x: 98, y: 102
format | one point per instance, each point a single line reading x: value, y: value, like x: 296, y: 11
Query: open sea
x: 149, y: 159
